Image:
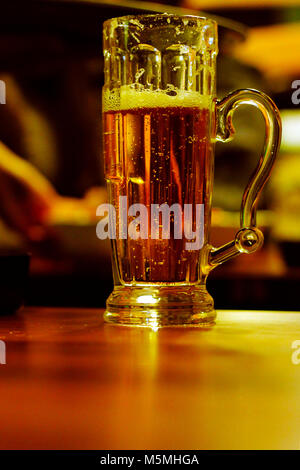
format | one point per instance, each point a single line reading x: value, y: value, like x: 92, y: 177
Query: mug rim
x: 166, y: 15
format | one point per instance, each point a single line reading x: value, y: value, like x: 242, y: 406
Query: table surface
x: 72, y: 382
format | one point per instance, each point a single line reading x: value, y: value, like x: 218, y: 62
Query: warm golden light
x: 272, y: 49
x: 212, y: 4
x: 147, y: 299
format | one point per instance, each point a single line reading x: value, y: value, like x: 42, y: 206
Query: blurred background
x: 51, y: 166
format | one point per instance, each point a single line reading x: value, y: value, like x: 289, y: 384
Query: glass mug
x: 161, y: 119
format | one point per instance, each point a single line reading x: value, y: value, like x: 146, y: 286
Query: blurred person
x: 50, y: 139
x: 29, y: 203
x: 26, y: 196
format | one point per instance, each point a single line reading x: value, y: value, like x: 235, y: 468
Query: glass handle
x: 249, y: 238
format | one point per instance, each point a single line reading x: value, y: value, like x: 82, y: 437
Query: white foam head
x: 127, y: 97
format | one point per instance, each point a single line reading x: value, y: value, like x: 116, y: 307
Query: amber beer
x: 158, y: 151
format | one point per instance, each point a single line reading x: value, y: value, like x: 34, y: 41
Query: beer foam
x: 127, y: 97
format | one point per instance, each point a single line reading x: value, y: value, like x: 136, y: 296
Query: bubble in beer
x: 172, y: 93
x: 139, y: 74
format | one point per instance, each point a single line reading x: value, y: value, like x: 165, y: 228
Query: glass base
x: 160, y: 306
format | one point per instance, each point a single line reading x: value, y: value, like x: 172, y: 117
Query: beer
x: 157, y: 147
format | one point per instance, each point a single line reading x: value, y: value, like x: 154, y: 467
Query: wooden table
x: 71, y: 382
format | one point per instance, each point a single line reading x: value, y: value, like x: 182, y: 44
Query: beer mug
x: 161, y: 119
